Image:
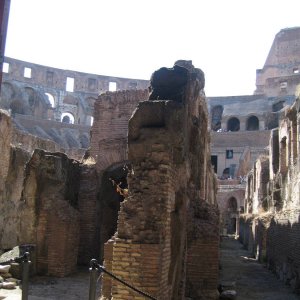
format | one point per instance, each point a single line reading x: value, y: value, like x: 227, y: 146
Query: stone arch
x: 233, y: 124
x: 7, y: 90
x: 111, y: 152
x: 252, y: 123
x: 216, y: 117
x: 67, y: 117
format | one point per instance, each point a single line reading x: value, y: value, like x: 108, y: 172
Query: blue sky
x: 228, y: 40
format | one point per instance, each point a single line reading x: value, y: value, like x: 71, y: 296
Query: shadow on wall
x: 275, y: 241
x: 110, y: 196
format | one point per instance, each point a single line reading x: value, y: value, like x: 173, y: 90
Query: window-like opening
x: 232, y: 204
x: 252, y: 123
x: 214, y: 162
x: 229, y: 154
x: 51, y: 99
x: 283, y: 85
x: 49, y: 77
x: 5, y: 67
x: 70, y: 84
x: 216, y: 117
x: 67, y: 118
x: 91, y: 84
x: 233, y: 124
x: 112, y: 87
x: 296, y: 70
x: 92, y: 121
x: 27, y: 72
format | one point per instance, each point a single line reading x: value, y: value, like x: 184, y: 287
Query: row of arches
x: 252, y: 123
x: 233, y: 124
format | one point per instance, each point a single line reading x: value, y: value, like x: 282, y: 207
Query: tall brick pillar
x: 167, y: 148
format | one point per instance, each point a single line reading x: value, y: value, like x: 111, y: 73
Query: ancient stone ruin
x: 269, y: 228
x: 162, y: 235
x: 167, y: 237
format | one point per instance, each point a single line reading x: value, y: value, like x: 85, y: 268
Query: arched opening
x: 252, y: 123
x: 51, y: 99
x: 233, y: 124
x: 17, y: 107
x: 231, y: 215
x: 113, y: 185
x: 67, y: 118
x: 216, y: 117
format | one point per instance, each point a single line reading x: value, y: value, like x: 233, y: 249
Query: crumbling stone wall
x: 38, y: 200
x: 272, y: 203
x: 51, y: 186
x: 280, y: 74
x: 109, y: 132
x: 167, y: 238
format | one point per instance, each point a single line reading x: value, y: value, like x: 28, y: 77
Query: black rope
x: 101, y: 268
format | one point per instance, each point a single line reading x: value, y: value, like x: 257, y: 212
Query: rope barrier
x: 102, y: 269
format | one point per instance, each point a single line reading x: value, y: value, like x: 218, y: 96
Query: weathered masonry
x: 241, y: 125
x: 270, y: 226
x: 167, y: 237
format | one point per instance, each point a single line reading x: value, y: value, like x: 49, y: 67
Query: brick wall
x: 89, y: 214
x: 109, y: 131
x: 272, y: 233
x: 170, y: 175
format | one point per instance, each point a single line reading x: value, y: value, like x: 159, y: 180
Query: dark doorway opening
x: 214, y: 162
x: 114, y: 180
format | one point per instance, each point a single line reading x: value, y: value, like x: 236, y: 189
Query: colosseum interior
x: 148, y: 177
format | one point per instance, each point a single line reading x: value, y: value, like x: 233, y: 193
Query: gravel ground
x: 74, y: 287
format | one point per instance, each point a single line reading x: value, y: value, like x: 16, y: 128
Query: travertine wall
x: 167, y: 238
x: 280, y: 74
x: 270, y: 227
x: 23, y: 94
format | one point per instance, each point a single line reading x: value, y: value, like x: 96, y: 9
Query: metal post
x: 25, y: 275
x: 93, y: 279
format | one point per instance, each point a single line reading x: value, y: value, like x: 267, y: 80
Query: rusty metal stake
x: 25, y: 275
x: 93, y: 279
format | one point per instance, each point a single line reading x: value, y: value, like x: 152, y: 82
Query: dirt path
x: 253, y: 280
x: 74, y: 287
